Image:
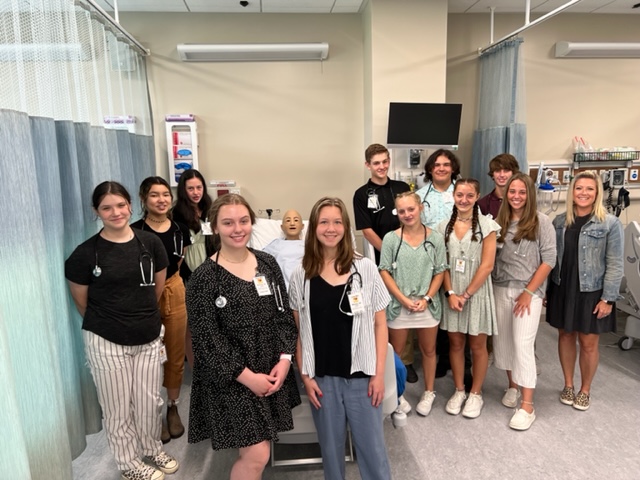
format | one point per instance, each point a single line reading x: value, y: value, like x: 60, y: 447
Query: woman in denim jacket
x: 584, y: 283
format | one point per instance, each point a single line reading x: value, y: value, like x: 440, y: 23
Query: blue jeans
x: 346, y: 401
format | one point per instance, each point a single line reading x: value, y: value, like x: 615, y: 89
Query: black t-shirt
x: 119, y: 309
x: 381, y: 220
x: 331, y: 329
x: 174, y: 240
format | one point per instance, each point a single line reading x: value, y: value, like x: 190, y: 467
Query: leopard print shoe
x: 143, y: 472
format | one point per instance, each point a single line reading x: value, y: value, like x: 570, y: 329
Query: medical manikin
x: 288, y: 251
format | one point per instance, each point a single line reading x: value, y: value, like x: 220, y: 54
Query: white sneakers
x: 426, y: 401
x: 454, y: 405
x: 403, y: 405
x: 522, y: 419
x: 473, y: 406
x: 510, y: 398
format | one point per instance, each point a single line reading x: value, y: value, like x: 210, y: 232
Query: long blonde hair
x: 528, y: 225
x: 598, y: 207
x: 313, y: 259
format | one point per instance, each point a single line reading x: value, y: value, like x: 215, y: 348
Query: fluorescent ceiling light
x: 257, y: 52
x: 597, y: 50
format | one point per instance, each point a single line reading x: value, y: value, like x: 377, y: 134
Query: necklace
x: 232, y: 261
x: 154, y: 220
x: 465, y: 220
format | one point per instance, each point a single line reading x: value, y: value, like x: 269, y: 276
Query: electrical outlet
x: 566, y: 177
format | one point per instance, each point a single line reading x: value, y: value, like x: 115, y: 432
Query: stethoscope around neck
x: 425, y: 244
x: 178, y: 239
x: 221, y: 301
x: 144, y: 255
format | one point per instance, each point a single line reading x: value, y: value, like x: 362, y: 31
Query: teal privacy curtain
x: 501, y: 111
x: 74, y: 111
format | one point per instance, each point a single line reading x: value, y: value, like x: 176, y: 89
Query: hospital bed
x: 630, y: 287
x: 304, y: 431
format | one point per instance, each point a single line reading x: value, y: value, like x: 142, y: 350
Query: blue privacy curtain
x: 501, y: 111
x: 74, y: 111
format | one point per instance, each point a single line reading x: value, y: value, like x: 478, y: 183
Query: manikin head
x: 292, y: 225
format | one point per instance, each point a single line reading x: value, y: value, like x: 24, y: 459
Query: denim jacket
x: 600, y: 248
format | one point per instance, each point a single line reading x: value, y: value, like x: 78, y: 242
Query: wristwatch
x: 286, y: 356
x: 608, y: 302
x: 448, y: 293
x: 428, y: 299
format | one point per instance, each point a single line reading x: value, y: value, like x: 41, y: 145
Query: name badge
x: 262, y: 286
x: 205, y: 228
x: 372, y: 201
x: 355, y: 301
x: 163, y: 354
x: 460, y: 265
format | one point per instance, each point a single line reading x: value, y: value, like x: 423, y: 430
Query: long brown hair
x: 221, y: 201
x: 313, y: 259
x: 528, y: 225
x: 454, y: 214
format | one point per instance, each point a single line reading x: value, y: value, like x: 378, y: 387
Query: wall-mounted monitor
x: 423, y: 124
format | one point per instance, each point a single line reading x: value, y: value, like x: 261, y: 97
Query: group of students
x: 337, y: 314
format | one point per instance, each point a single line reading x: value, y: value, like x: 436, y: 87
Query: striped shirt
x: 375, y: 298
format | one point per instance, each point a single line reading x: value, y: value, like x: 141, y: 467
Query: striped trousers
x: 127, y: 379
x: 513, y: 347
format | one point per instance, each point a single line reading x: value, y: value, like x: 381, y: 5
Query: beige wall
x: 291, y: 132
x: 287, y: 132
x: 598, y: 99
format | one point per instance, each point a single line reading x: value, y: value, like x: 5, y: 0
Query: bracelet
x: 529, y: 291
x: 468, y: 296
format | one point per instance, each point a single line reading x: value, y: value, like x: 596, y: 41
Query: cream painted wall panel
x: 287, y: 132
x: 408, y: 56
x: 598, y: 99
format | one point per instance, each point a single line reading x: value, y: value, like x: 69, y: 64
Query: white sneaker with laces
x: 425, y: 403
x: 403, y: 406
x: 454, y: 405
x: 510, y: 398
x: 473, y: 406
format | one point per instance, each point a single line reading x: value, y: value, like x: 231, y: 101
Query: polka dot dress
x: 248, y: 331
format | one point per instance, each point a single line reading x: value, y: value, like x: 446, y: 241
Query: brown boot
x: 176, y: 429
x: 165, y: 436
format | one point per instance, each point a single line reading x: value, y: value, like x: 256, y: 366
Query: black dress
x: 249, y: 332
x: 567, y: 307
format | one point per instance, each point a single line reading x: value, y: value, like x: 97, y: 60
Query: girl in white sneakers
x: 412, y: 264
x: 526, y: 255
x: 470, y: 309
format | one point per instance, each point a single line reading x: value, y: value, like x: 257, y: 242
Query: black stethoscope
x: 374, y: 192
x: 177, y: 239
x: 425, y: 244
x: 221, y: 301
x: 144, y: 254
x: 348, y: 287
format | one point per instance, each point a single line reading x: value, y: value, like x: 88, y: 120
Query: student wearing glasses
x: 526, y: 255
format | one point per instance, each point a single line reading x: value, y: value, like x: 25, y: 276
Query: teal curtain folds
x: 74, y: 111
x: 501, y: 111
